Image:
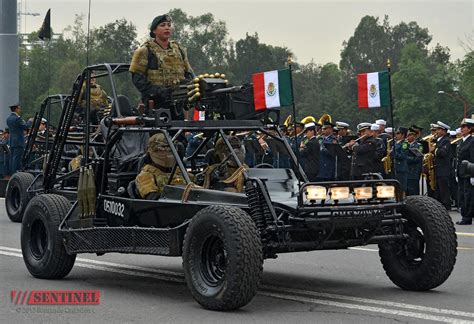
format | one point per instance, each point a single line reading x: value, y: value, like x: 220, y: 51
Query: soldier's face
x: 163, y: 31
x: 411, y: 137
x: 465, y: 130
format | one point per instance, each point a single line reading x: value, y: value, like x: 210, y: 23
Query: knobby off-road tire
x: 41, y: 243
x: 16, y: 197
x: 222, y: 258
x: 425, y: 260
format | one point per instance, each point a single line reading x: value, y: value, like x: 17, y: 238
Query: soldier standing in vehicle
x: 159, y: 64
x: 442, y: 164
x: 17, y: 126
x: 156, y: 172
x: 309, y: 152
x: 414, y: 162
x: 98, y: 100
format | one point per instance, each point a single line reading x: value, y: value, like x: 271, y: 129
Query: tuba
x: 325, y: 118
x: 289, y: 125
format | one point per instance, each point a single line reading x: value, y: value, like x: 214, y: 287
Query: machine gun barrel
x: 234, y: 89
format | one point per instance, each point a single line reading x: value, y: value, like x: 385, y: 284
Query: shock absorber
x: 253, y: 198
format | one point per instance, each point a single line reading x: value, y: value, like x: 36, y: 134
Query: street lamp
x: 458, y: 97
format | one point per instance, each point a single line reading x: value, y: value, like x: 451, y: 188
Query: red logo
x: 55, y: 297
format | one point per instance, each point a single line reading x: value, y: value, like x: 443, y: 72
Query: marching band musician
x: 414, y: 161
x: 401, y: 153
x: 309, y: 152
x: 442, y: 164
x: 465, y: 152
x: 365, y: 154
x: 381, y: 148
x: 327, y: 169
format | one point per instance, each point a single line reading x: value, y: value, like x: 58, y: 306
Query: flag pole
x: 298, y: 167
x: 389, y: 65
x: 88, y: 33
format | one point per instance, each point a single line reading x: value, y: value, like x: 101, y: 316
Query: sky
x: 313, y: 30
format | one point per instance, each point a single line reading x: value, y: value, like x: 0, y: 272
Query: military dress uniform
x: 17, y: 127
x: 327, y: 162
x: 414, y: 163
x: 309, y: 152
x: 155, y: 69
x: 401, y: 166
x: 442, y: 166
x: 364, y: 158
x: 465, y: 152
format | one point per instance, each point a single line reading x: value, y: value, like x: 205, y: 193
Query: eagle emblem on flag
x: 373, y: 90
x: 271, y: 89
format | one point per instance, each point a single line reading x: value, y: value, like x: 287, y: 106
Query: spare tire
x: 16, y: 197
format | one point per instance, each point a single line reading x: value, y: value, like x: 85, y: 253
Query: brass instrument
x: 355, y: 141
x: 428, y: 162
x: 325, y: 118
x: 429, y: 138
x: 456, y: 140
x: 308, y: 119
x: 288, y: 121
x: 387, y: 159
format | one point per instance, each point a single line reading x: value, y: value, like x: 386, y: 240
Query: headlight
x: 315, y: 192
x: 385, y: 192
x: 363, y: 193
x: 338, y: 193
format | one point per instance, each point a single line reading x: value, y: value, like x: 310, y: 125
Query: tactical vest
x: 162, y: 67
x: 152, y: 179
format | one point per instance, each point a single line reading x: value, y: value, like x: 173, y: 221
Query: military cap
x: 412, y: 130
x: 416, y: 128
x: 381, y: 122
x: 402, y: 130
x: 433, y: 126
x: 342, y: 125
x: 452, y: 133
x: 467, y: 122
x: 156, y: 21
x: 43, y: 120
x: 442, y: 125
x: 310, y: 126
x: 327, y: 124
x: 389, y: 130
x: 458, y: 130
x: 14, y: 106
x: 374, y: 127
x: 363, y: 126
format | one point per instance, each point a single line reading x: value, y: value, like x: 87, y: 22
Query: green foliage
x: 418, y: 72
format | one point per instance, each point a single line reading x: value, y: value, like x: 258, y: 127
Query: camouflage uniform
x: 155, y: 175
x: 153, y: 179
x: 160, y: 66
x: 226, y: 176
x: 98, y: 97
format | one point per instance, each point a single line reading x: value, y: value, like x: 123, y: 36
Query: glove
x: 472, y: 181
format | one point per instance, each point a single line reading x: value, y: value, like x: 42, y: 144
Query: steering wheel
x: 264, y: 166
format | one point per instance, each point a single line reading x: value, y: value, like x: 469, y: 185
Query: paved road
x: 344, y: 286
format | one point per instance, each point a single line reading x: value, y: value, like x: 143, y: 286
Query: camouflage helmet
x: 156, y: 142
x: 221, y: 149
x: 160, y: 152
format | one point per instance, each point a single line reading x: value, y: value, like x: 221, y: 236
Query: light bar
x: 338, y: 193
x: 385, y: 192
x: 363, y: 193
x: 315, y: 192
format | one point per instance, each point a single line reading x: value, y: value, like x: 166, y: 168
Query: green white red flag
x: 272, y: 89
x: 199, y: 115
x: 373, y: 89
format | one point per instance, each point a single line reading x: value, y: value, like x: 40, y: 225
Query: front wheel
x: 222, y: 258
x: 42, y: 246
x: 426, y: 258
x: 16, y: 197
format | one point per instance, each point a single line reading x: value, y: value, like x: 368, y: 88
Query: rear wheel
x: 222, y: 258
x: 16, y: 197
x: 41, y: 243
x: 426, y: 259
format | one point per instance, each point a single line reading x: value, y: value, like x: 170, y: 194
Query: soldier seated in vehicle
x: 225, y: 174
x: 156, y: 172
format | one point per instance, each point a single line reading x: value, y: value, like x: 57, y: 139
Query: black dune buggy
x: 223, y: 237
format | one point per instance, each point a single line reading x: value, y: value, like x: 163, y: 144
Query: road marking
x: 464, y: 234
x: 274, y: 291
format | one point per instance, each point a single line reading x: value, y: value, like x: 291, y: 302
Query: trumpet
x: 355, y: 141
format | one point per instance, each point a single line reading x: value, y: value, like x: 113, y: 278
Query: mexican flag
x: 272, y: 89
x: 373, y: 90
x: 199, y: 115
